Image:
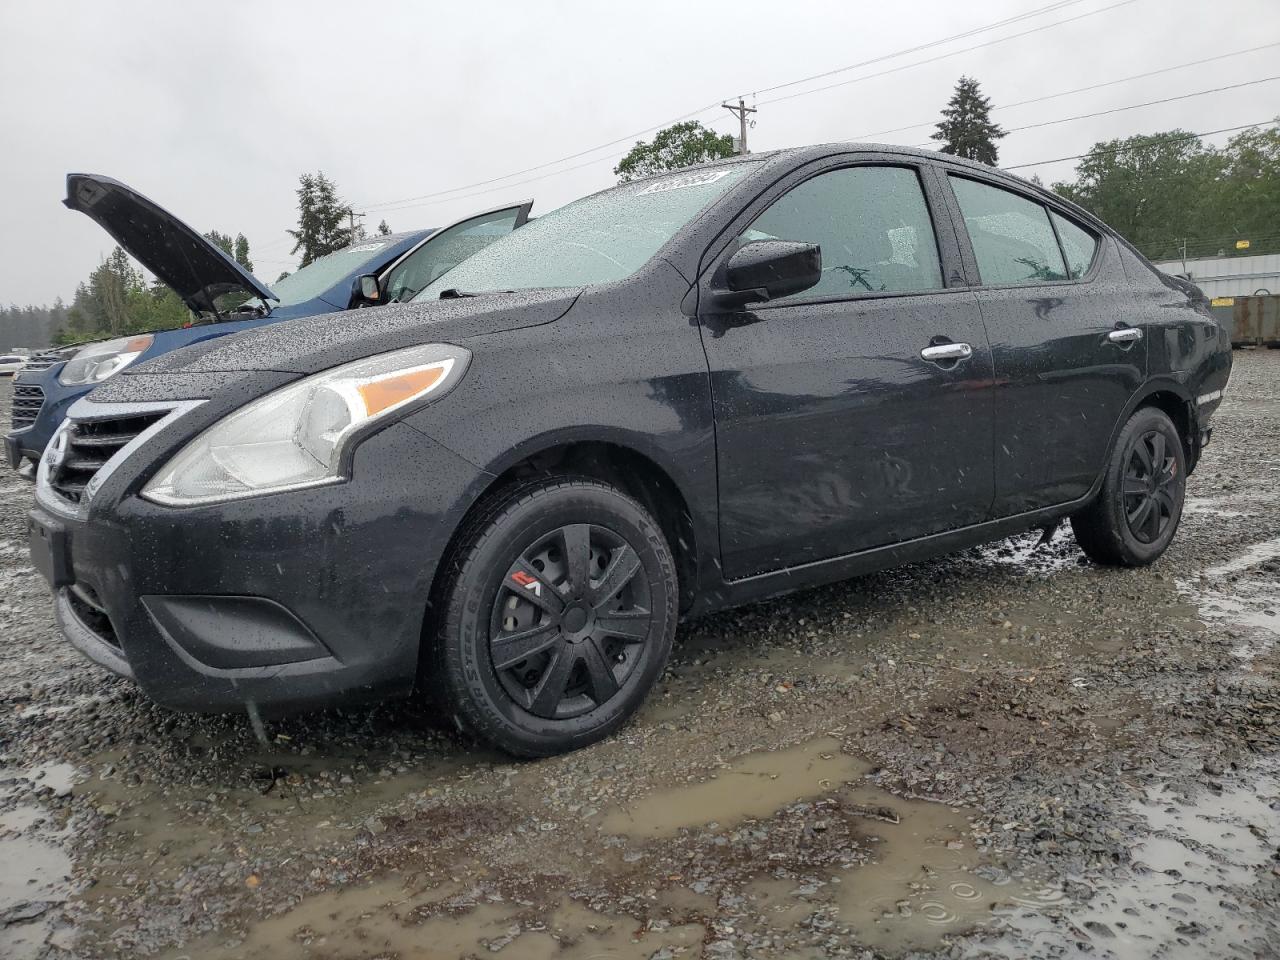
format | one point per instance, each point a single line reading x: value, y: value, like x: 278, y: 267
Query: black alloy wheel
x: 556, y: 619
x: 1134, y: 516
x: 569, y: 619
x: 1149, y: 476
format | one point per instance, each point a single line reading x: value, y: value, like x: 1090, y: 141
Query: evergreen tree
x: 220, y: 240
x: 237, y: 249
x: 109, y: 287
x: 680, y: 145
x: 323, y: 219
x: 383, y: 229
x: 242, y: 252
x: 966, y: 129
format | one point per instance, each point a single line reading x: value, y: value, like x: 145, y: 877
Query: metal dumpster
x: 1255, y: 321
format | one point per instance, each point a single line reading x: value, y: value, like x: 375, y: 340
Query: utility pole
x: 740, y: 111
x: 351, y: 219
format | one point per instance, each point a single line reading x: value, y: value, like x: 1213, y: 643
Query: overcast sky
x: 214, y: 109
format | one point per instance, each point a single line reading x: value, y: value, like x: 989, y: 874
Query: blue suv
x: 380, y: 269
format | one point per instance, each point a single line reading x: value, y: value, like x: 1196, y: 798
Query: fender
x: 1151, y: 387
x: 698, y: 492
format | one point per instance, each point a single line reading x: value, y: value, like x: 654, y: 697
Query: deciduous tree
x: 680, y: 145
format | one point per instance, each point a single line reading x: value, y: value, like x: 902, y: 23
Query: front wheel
x: 1136, y: 513
x: 559, y: 617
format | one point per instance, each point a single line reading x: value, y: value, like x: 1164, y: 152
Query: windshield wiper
x: 453, y: 293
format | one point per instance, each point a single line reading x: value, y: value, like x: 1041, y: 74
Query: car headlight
x: 298, y: 436
x: 97, y: 361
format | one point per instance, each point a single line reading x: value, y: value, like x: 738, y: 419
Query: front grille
x: 92, y: 615
x: 27, y: 401
x: 90, y: 444
x: 42, y: 361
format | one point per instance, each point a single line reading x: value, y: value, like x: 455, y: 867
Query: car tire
x: 558, y: 612
x: 1136, y: 513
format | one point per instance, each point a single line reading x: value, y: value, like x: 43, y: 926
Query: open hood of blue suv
x: 196, y: 269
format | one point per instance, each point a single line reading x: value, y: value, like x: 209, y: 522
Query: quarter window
x: 1077, y: 243
x: 1011, y: 235
x: 873, y: 227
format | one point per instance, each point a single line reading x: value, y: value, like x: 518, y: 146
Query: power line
x: 1149, y: 103
x: 923, y: 46
x: 1132, y: 106
x: 945, y: 56
x: 711, y: 106
x: 433, y: 199
x: 573, y: 156
x: 1094, y: 86
x: 1146, y: 143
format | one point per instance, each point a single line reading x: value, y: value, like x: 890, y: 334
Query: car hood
x: 300, y: 347
x: 196, y: 269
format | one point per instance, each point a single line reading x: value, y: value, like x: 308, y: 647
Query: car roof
x: 817, y: 151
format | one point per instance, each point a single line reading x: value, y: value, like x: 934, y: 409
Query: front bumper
x: 288, y: 601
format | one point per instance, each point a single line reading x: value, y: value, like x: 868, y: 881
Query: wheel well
x: 629, y: 471
x: 1179, y: 411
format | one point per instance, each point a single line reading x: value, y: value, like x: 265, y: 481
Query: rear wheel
x: 559, y: 617
x: 1135, y: 515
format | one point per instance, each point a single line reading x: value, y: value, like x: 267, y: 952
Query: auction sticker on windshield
x: 688, y: 180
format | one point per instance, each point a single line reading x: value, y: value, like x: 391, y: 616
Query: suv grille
x: 42, y: 361
x: 27, y: 401
x: 90, y: 444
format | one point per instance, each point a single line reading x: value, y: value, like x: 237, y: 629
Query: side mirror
x: 767, y: 269
x: 366, y: 290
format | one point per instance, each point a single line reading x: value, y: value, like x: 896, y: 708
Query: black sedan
x: 683, y: 393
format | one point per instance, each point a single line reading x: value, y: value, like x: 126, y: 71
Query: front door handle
x: 946, y: 351
x: 1125, y: 335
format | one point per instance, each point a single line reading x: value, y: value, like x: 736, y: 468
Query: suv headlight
x: 298, y: 436
x: 97, y: 361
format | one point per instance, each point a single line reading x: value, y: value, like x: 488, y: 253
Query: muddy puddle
x: 912, y: 878
x: 923, y: 878
x: 1245, y: 592
x: 1199, y: 849
x: 754, y: 786
x: 35, y: 869
x: 1185, y: 892
x: 1028, y: 555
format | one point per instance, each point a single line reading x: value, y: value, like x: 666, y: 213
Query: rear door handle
x: 1125, y: 335
x: 947, y: 351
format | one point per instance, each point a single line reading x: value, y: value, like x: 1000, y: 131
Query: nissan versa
x: 685, y: 392
x: 375, y: 270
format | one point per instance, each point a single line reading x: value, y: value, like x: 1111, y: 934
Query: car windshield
x: 319, y: 275
x: 598, y: 239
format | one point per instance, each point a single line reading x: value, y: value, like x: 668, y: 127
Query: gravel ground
x: 1006, y: 752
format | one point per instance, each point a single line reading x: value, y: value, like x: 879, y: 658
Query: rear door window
x: 1012, y: 238
x: 872, y: 224
x: 1078, y: 244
